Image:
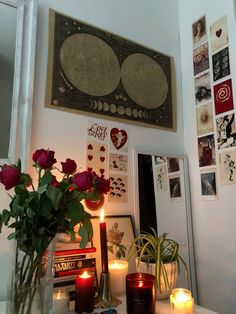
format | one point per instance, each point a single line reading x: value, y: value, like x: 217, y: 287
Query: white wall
x: 66, y: 132
x: 214, y: 222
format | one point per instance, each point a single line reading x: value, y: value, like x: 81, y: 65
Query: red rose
x: 69, y: 166
x: 37, y: 154
x: 9, y: 176
x: 83, y: 180
x: 54, y: 182
x: 103, y: 185
x: 46, y: 159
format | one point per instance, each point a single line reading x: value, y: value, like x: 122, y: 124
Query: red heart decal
x: 90, y: 146
x: 90, y: 157
x: 219, y: 32
x: 118, y: 137
x: 90, y: 169
x: 102, y: 171
x: 102, y: 159
x: 102, y: 149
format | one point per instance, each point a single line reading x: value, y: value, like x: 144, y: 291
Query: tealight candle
x: 140, y: 294
x: 60, y: 301
x: 84, y: 293
x: 181, y: 301
x: 118, y: 270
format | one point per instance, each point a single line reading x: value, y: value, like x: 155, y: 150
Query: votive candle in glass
x: 60, y: 301
x: 118, y: 270
x: 140, y: 294
x: 84, y: 293
x: 181, y: 301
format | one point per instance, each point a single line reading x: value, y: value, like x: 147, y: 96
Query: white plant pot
x: 172, y: 274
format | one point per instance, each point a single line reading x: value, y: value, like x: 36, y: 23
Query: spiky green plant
x: 151, y: 248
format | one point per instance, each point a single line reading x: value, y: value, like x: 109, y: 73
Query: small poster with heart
x: 97, y: 157
x: 119, y: 139
x: 219, y: 34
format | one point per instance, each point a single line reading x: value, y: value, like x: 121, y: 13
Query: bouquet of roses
x: 40, y: 212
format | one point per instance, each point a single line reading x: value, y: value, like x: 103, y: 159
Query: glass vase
x: 32, y: 282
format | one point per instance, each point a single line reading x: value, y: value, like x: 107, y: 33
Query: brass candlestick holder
x: 105, y: 299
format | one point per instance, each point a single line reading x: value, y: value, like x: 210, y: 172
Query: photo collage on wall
x: 107, y: 154
x: 167, y: 176
x: 216, y: 129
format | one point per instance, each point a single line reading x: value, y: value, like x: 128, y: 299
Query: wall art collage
x: 216, y: 129
x: 107, y: 154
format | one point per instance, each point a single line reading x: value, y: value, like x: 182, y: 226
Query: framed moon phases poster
x: 94, y: 72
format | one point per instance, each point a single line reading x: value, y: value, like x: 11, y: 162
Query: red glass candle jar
x: 140, y: 294
x: 84, y: 293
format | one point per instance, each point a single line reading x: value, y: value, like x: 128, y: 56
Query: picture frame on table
x: 120, y: 236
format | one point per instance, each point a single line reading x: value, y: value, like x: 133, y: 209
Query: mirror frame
x: 190, y: 239
x: 22, y: 94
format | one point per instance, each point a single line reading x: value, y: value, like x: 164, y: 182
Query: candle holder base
x: 105, y: 299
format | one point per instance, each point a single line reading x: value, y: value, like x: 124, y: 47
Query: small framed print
x: 206, y: 151
x: 201, y: 58
x: 199, y: 30
x: 223, y: 95
x: 228, y: 167
x: 175, y: 188
x: 202, y: 85
x: 208, y: 184
x: 219, y: 34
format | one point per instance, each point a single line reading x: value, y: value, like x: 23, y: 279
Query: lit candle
x: 60, y: 301
x: 118, y: 270
x: 140, y: 294
x: 181, y: 301
x: 103, y: 240
x: 84, y: 293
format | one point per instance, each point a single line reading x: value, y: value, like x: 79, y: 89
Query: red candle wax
x: 103, y: 241
x: 140, y: 295
x: 84, y: 293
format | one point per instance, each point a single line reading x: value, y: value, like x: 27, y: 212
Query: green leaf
x: 46, y: 207
x: 89, y: 227
x: 46, y: 178
x: 84, y: 235
x: 5, y: 217
x: 11, y: 236
x: 55, y: 195
x: 30, y: 212
x: 75, y: 211
x: 42, y: 189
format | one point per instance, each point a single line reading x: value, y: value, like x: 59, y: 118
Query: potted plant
x: 159, y: 256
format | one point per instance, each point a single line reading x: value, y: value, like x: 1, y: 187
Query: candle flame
x: 85, y: 275
x: 102, y: 215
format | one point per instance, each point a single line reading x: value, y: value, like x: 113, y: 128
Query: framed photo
x: 199, y: 31
x: 95, y: 72
x: 120, y: 235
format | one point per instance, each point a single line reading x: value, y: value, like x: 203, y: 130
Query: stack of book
x: 71, y: 261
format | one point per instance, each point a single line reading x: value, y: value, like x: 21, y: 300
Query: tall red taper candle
x: 103, y: 240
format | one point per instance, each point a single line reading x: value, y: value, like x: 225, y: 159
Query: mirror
x: 163, y: 202
x: 17, y: 57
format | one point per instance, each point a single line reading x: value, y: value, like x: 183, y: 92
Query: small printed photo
x: 199, y: 30
x: 175, y: 190
x: 202, y: 84
x: 221, y: 64
x: 219, y: 34
x: 223, y: 97
x: 160, y: 160
x: 118, y: 162
x: 204, y: 119
x: 200, y: 58
x: 226, y: 131
x: 228, y: 167
x: 206, y: 151
x: 118, y: 188
x: 173, y: 164
x: 160, y: 177
x: 208, y: 183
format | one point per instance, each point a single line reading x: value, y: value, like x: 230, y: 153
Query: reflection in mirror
x: 8, y: 22
x: 163, y: 202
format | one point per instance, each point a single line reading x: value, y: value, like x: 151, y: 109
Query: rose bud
x: 69, y: 166
x: 46, y: 159
x: 103, y: 185
x: 9, y: 176
x: 37, y: 154
x: 54, y: 182
x: 83, y: 180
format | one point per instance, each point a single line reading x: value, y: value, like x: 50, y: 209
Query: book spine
x: 71, y: 267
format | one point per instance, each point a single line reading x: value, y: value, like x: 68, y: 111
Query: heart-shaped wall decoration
x: 118, y: 137
x: 219, y: 32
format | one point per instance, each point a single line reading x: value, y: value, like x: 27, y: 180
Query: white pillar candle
x: 181, y: 301
x: 60, y: 301
x: 118, y: 270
